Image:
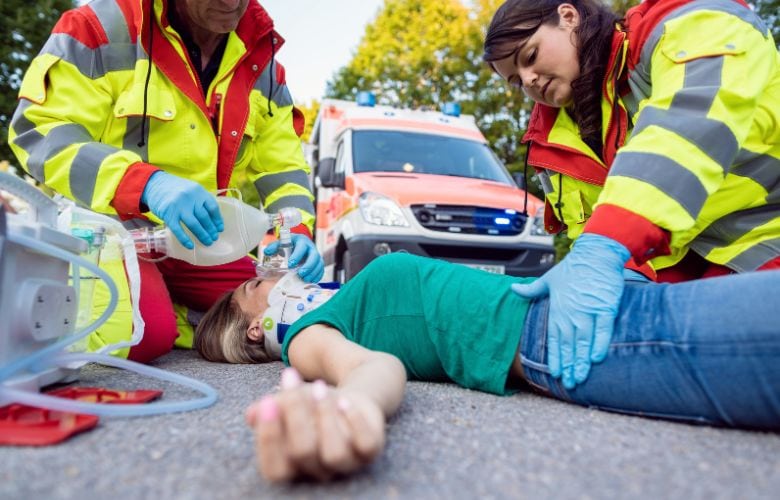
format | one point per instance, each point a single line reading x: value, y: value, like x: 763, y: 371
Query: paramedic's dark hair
x: 517, y: 20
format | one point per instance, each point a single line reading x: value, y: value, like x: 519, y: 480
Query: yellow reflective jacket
x: 78, y: 125
x: 691, y: 146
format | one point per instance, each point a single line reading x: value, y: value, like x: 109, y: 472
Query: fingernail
x: 290, y: 378
x: 267, y: 409
x: 343, y: 404
x: 292, y: 263
x: 319, y: 390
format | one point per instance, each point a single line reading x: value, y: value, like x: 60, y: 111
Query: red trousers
x: 174, y: 281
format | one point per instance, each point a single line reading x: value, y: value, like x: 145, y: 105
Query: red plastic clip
x: 30, y: 426
x: 24, y: 425
x: 101, y: 395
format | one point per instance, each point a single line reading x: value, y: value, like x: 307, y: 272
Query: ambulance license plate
x: 491, y: 268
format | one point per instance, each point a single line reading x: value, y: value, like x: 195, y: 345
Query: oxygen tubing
x: 52, y: 354
x: 61, y: 344
x: 115, y: 410
x: 131, y: 266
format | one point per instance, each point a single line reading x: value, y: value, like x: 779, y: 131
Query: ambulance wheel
x: 343, y: 271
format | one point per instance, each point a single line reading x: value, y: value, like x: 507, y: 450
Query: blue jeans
x: 704, y: 351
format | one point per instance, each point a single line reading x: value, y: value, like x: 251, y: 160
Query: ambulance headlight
x: 381, y: 210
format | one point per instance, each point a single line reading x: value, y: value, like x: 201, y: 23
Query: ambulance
x: 418, y: 181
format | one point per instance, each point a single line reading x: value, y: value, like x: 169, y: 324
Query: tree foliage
x: 769, y: 10
x: 412, y: 55
x: 25, y: 27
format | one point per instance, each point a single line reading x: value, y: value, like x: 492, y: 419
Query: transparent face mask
x: 289, y: 299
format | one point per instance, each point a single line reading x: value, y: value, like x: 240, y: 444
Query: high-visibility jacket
x: 78, y: 128
x: 691, y: 146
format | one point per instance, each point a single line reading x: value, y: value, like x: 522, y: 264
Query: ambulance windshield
x: 409, y: 152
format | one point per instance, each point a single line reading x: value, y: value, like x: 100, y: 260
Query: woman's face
x: 252, y: 298
x: 545, y: 64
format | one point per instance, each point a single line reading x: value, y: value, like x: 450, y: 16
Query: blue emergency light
x: 451, y: 109
x: 367, y: 99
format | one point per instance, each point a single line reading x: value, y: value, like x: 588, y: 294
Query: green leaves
x: 25, y: 27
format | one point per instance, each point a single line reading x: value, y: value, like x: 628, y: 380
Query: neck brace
x: 290, y: 299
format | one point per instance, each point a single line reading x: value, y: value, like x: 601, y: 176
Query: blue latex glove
x: 180, y: 201
x: 305, y: 252
x: 585, y: 290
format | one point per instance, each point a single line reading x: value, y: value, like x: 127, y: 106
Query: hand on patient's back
x: 313, y: 430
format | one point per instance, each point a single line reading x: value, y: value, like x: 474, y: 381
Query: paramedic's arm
x: 63, y: 110
x: 662, y: 177
x: 349, y: 429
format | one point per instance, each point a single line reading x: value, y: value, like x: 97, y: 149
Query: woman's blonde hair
x: 221, y: 335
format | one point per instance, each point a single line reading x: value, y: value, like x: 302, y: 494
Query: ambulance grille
x: 460, y: 219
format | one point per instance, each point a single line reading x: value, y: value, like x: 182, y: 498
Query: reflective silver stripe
x: 84, y: 170
x: 763, y: 169
x: 27, y: 138
x: 756, y: 256
x: 299, y: 202
x: 91, y: 63
x: 53, y: 143
x: 269, y: 183
x: 133, y: 137
x: 728, y: 229
x: 687, y: 116
x: 642, y: 69
x: 665, y: 174
x: 281, y: 96
x: 113, y: 21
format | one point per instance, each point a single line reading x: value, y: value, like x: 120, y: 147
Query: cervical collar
x: 290, y: 299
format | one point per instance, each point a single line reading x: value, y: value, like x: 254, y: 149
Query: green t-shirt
x: 445, y: 322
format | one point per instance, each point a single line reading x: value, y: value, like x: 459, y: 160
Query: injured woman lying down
x: 704, y: 351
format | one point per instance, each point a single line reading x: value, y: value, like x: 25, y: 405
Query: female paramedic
x: 656, y: 140
x: 703, y: 351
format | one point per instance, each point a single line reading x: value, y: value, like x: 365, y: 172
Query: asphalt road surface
x: 445, y: 442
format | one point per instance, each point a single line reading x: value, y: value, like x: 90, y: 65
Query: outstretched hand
x: 585, y: 289
x: 313, y: 430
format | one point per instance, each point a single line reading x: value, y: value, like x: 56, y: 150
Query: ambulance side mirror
x: 326, y: 172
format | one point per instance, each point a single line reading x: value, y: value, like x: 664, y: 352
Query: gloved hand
x: 305, y: 251
x: 585, y: 290
x: 180, y: 201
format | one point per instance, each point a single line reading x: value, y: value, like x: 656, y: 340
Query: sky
x: 320, y: 37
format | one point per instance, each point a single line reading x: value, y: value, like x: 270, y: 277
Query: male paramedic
x: 151, y: 141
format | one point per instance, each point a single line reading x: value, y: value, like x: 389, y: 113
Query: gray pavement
x: 445, y: 442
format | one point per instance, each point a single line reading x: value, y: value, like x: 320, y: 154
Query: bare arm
x: 322, y: 352
x: 318, y: 431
